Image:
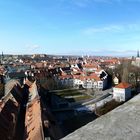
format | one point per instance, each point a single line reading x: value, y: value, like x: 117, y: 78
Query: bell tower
x: 1, y: 59
x: 138, y: 53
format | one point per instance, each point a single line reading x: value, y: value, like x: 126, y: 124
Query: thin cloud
x: 79, y: 3
x: 85, y: 3
x: 105, y: 52
x: 32, y: 48
x: 112, y: 29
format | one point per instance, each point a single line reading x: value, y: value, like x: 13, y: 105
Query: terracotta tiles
x: 123, y: 85
x: 33, y: 122
x: 9, y: 113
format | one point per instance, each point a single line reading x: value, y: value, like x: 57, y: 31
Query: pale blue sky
x: 98, y: 27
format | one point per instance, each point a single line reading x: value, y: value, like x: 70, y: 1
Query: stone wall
x: 123, y: 123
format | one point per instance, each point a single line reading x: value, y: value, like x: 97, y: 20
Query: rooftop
x: 123, y: 85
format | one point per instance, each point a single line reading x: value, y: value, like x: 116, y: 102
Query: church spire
x: 1, y: 59
x: 138, y: 54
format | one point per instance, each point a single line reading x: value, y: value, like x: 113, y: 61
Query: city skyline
x: 84, y: 27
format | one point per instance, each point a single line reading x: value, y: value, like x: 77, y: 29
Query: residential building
x: 122, y: 92
x: 116, y: 80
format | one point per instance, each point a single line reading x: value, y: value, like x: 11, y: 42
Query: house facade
x: 122, y: 92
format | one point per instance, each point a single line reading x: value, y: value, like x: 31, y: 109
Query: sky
x: 76, y: 27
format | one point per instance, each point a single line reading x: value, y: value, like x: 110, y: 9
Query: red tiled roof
x: 90, y: 66
x: 33, y: 120
x: 112, y: 61
x: 95, y: 77
x: 123, y: 85
x: 33, y: 123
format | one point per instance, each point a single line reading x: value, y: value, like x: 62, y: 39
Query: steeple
x: 138, y: 54
x: 2, y: 57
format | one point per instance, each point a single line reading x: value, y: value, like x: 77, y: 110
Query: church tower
x: 1, y: 59
x: 138, y: 54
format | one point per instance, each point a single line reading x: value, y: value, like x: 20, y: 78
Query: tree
x: 125, y: 75
x: 134, y: 76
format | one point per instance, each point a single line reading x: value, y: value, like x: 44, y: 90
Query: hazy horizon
x: 107, y: 54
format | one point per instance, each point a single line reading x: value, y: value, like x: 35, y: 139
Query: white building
x: 116, y: 81
x: 136, y: 62
x: 122, y: 92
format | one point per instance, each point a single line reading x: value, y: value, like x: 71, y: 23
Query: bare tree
x: 125, y: 75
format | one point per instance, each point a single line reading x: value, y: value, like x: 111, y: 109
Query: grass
x: 74, y: 93
x: 80, y: 98
x: 69, y: 92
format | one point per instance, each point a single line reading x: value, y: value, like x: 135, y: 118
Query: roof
x: 95, y: 77
x: 90, y: 66
x: 9, y: 110
x: 33, y: 122
x: 123, y: 85
x: 111, y: 61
